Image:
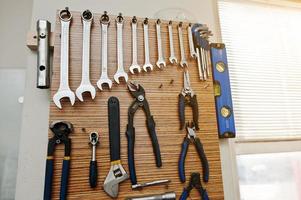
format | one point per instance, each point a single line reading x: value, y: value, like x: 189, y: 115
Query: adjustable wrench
x: 183, y: 61
x: 120, y: 70
x: 105, y: 22
x: 160, y: 61
x: 64, y: 89
x: 135, y: 64
x: 172, y: 57
x: 191, y: 44
x: 147, y: 63
x: 85, y: 85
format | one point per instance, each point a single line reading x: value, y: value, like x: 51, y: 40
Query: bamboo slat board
x: 91, y: 115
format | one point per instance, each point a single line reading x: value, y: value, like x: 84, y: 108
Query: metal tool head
x: 173, y: 60
x: 65, y: 15
x: 61, y: 129
x: 161, y: 63
x: 104, y: 19
x: 119, y: 19
x: 66, y: 93
x: 121, y: 74
x: 87, y: 15
x: 104, y: 81
x: 187, y: 88
x: 147, y: 66
x: 135, y: 89
x: 190, y: 130
x: 115, y: 176
x: 93, y: 138
x: 134, y: 68
x: 195, y: 180
x: 134, y: 20
x: 85, y: 88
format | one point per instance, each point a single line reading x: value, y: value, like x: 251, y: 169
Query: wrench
x: 183, y: 61
x: 172, y: 57
x: 85, y: 85
x: 64, y: 89
x: 160, y: 61
x: 147, y: 63
x: 191, y: 44
x: 105, y: 22
x: 120, y: 70
x: 135, y: 64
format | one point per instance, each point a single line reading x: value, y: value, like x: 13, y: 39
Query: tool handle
x: 182, y: 111
x: 93, y: 173
x: 205, y: 164
x: 48, y: 179
x: 181, y: 164
x: 130, y: 134
x: 64, y: 178
x: 204, y: 194
x: 184, y: 194
x: 195, y: 111
x: 114, y: 128
x: 151, y: 126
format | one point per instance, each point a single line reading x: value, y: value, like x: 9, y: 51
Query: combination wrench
x: 105, y: 22
x: 85, y: 85
x: 191, y: 44
x: 64, y: 89
x: 134, y: 66
x: 183, y: 61
x: 147, y: 63
x: 160, y: 63
x: 172, y: 57
x: 120, y: 70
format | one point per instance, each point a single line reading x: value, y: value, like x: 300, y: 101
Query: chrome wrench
x: 147, y: 63
x: 105, y: 22
x: 160, y: 63
x: 120, y: 70
x: 135, y: 65
x: 172, y: 57
x: 183, y: 61
x: 85, y: 85
x: 191, y: 44
x: 64, y: 89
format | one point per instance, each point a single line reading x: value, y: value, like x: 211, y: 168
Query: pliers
x: 192, y: 138
x: 61, y: 130
x: 187, y: 97
x: 137, y: 91
x: 195, y: 182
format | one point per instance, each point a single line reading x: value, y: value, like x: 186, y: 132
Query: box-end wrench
x: 120, y: 70
x: 104, y: 79
x: 135, y: 65
x: 191, y: 44
x: 147, y: 63
x: 172, y: 57
x: 183, y: 61
x: 85, y: 85
x: 64, y: 89
x: 160, y: 63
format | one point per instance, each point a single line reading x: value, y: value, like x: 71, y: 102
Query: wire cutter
x: 187, y: 97
x: 61, y: 130
x: 137, y: 91
x: 192, y: 138
x: 195, y: 182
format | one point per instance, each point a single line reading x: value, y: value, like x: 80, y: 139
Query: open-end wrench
x: 64, y: 89
x: 191, y: 44
x: 135, y: 65
x: 105, y: 22
x: 183, y: 61
x: 160, y: 63
x: 172, y: 57
x: 147, y: 63
x: 85, y: 85
x: 120, y: 70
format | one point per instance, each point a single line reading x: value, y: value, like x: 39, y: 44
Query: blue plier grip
x: 48, y: 179
x: 64, y: 178
x: 181, y: 164
x: 204, y: 161
x: 184, y: 194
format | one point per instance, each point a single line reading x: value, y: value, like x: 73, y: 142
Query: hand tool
x: 93, y: 173
x: 104, y: 79
x: 120, y: 70
x: 43, y: 62
x: 61, y: 131
x: 164, y: 196
x: 116, y: 174
x: 64, y: 89
x: 172, y: 57
x: 161, y: 62
x: 192, y: 138
x: 135, y: 65
x: 183, y: 61
x: 147, y: 64
x: 85, y: 85
x: 188, y: 97
x: 190, y: 40
x: 137, y: 91
x: 222, y: 90
x: 152, y: 183
x: 195, y: 182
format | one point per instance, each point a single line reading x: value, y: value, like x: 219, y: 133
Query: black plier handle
x: 193, y: 103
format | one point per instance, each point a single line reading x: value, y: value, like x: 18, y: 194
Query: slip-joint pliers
x: 192, y: 138
x: 195, y: 182
x: 137, y: 91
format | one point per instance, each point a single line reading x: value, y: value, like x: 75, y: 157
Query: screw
x: 171, y: 81
x: 161, y: 85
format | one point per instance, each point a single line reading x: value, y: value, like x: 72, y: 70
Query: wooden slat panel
x: 92, y: 115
